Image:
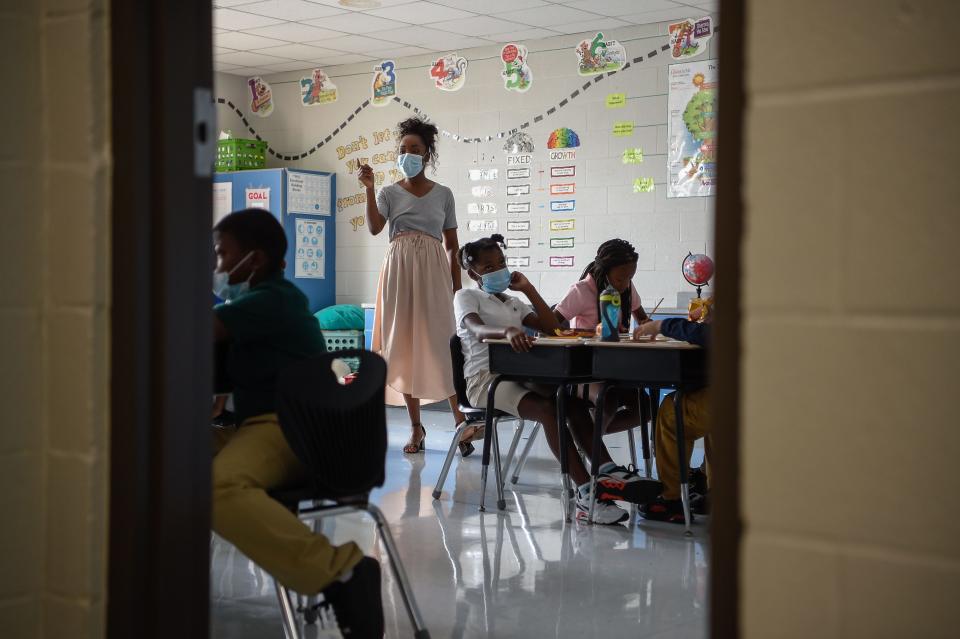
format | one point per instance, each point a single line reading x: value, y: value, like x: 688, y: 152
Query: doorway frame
x: 725, y: 514
x: 158, y: 551
x: 161, y: 329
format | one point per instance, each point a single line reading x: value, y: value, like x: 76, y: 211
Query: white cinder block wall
x: 663, y: 230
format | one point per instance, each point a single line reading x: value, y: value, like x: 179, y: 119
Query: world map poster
x: 692, y: 129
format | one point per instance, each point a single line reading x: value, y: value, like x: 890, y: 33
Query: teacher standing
x: 414, y: 317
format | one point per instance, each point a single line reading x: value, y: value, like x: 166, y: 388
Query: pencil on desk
x: 650, y: 314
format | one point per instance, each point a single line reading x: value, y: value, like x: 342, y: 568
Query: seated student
x: 615, y: 265
x: 696, y: 421
x: 487, y: 313
x: 265, y: 321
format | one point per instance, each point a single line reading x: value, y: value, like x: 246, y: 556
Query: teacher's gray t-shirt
x: 432, y: 214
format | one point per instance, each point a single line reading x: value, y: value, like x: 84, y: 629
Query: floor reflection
x: 521, y: 573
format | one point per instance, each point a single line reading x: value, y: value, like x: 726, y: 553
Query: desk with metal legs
x: 657, y: 364
x: 552, y: 362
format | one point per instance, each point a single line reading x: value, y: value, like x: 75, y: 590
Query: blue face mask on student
x: 222, y: 287
x: 410, y: 164
x: 496, y: 282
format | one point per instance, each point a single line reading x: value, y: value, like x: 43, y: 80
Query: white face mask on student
x: 222, y: 287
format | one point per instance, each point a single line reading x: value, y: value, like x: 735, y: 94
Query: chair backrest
x: 339, y: 432
x: 222, y: 384
x: 459, y: 382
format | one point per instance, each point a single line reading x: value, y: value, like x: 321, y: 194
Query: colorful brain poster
x: 692, y: 129
x: 563, y: 138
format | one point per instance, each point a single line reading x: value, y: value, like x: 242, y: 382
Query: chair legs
x: 645, y: 442
x: 406, y: 591
x: 494, y: 442
x: 452, y: 451
x: 518, y: 433
x: 498, y: 469
x: 449, y: 460
x: 526, y: 451
x: 633, y: 447
x: 287, y: 616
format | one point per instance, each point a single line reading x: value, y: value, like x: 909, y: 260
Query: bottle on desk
x: 610, y: 315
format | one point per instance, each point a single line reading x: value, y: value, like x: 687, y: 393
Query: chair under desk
x: 655, y: 365
x: 565, y: 362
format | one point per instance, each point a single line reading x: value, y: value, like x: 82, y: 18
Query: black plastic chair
x: 339, y: 432
x: 474, y: 416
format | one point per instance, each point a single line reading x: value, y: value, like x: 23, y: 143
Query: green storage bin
x: 238, y: 154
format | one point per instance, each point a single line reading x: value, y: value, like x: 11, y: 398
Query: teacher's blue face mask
x: 496, y: 282
x: 410, y: 164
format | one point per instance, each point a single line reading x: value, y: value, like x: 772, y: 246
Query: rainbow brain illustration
x: 563, y: 138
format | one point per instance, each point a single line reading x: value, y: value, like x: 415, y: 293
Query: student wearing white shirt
x: 488, y: 313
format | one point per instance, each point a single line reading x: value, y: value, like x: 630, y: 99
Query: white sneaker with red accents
x: 604, y: 512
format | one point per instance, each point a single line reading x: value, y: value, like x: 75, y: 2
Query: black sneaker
x: 660, y: 509
x: 226, y: 419
x: 357, y: 602
x: 698, y: 481
x: 624, y: 484
x: 700, y: 504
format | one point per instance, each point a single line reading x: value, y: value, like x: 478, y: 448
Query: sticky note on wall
x: 616, y: 100
x: 622, y: 129
x: 643, y: 185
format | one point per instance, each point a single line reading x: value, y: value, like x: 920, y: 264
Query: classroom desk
x: 657, y: 364
x: 550, y: 361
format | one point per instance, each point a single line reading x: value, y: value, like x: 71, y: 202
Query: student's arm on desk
x: 686, y: 331
x: 675, y: 328
x: 519, y: 340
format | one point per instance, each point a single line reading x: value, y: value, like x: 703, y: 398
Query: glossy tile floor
x: 517, y: 574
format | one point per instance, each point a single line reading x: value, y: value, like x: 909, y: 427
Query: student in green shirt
x: 267, y: 325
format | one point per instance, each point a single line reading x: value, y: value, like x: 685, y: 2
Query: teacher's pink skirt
x: 413, y: 322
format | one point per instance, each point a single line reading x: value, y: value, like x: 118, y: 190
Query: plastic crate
x: 238, y: 154
x: 342, y: 340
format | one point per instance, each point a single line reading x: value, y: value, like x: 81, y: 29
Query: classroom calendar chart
x: 692, y: 129
x: 308, y: 193
x: 310, y: 256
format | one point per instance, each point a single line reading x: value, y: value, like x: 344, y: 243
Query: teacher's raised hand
x: 366, y: 176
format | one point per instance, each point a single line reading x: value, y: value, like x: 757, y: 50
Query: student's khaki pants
x: 696, y: 424
x: 249, y: 461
